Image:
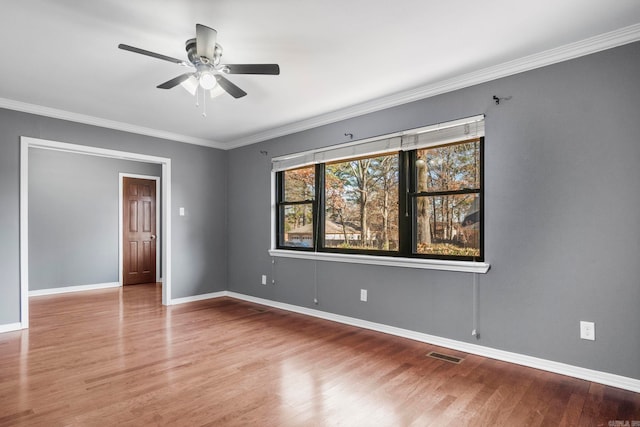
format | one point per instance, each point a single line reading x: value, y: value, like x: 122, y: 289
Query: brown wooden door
x: 139, y: 229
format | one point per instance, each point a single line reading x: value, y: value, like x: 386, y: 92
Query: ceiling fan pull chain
x: 204, y: 103
x: 198, y: 96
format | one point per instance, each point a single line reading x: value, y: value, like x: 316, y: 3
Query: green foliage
x: 447, y: 249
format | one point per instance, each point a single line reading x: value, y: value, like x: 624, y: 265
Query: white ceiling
x: 338, y: 58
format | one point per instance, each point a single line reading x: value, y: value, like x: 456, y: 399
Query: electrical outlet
x: 264, y: 279
x: 587, y: 330
x: 363, y: 295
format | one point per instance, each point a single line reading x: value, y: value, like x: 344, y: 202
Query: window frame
x: 281, y: 204
x: 322, y: 208
x: 406, y: 255
x: 413, y: 195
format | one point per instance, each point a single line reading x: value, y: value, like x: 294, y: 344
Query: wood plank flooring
x: 117, y: 357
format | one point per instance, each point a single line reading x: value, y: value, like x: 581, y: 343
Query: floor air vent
x: 445, y: 357
x: 258, y: 310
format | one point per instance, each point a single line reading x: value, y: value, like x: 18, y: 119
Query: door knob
x: 153, y: 236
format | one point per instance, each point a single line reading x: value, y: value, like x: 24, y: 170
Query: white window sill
x: 429, y: 264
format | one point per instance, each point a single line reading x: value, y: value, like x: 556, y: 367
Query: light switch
x: 181, y: 211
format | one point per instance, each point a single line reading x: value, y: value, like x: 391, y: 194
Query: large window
x: 418, y: 195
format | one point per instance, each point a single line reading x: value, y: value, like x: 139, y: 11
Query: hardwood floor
x: 117, y: 357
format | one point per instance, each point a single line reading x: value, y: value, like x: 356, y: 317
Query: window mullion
x: 279, y: 197
x: 301, y: 202
x: 404, y: 204
x: 319, y: 208
x: 446, y: 193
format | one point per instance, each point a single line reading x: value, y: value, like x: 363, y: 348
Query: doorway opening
x: 165, y: 248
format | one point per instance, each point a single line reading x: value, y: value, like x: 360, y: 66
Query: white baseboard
x: 9, y: 327
x: 200, y: 297
x: 78, y: 288
x: 605, y: 378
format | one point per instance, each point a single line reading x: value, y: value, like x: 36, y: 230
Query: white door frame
x: 28, y: 142
x: 121, y: 177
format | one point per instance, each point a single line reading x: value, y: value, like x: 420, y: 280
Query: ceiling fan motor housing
x: 192, y: 54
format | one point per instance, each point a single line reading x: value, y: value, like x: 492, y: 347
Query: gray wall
x: 198, y: 183
x: 562, y: 236
x: 561, y: 178
x: 73, y: 217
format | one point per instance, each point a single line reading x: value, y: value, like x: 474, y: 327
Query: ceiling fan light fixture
x: 216, y: 92
x: 190, y: 85
x: 207, y: 80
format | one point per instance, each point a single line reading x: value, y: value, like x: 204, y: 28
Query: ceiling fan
x: 204, y: 55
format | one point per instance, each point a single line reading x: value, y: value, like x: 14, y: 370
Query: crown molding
x: 566, y: 52
x: 563, y: 53
x: 104, y: 123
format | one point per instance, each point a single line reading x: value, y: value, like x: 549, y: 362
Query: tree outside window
x: 447, y: 200
x: 361, y: 203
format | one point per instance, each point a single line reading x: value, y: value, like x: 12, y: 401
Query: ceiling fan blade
x: 231, y: 89
x: 152, y: 54
x: 174, y: 81
x: 271, y: 69
x: 205, y: 41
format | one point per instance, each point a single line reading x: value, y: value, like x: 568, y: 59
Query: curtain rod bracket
x: 497, y: 99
